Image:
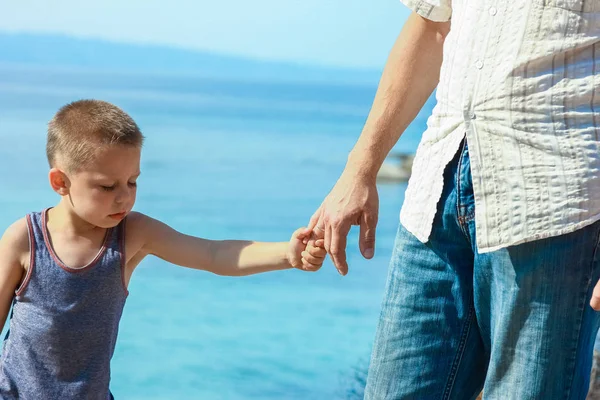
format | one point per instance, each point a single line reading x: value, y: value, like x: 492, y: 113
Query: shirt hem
x: 540, y: 236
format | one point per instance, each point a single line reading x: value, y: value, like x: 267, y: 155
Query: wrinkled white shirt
x: 521, y: 78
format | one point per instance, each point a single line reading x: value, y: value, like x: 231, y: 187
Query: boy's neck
x: 63, y: 218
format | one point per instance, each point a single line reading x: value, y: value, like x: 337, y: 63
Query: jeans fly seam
x: 458, y: 177
x: 462, y: 219
x: 459, y: 354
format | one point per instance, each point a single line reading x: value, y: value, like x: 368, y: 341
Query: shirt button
x: 472, y: 115
x: 492, y: 11
x: 479, y: 64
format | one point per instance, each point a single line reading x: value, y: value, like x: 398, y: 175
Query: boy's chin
x: 107, y: 223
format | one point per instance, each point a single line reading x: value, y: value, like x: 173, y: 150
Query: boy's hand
x: 301, y: 256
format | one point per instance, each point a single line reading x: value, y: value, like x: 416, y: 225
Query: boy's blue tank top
x: 64, y: 322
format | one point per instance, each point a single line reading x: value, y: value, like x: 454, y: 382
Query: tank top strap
x: 36, y: 226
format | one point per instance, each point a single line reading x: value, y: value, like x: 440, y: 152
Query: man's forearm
x: 409, y: 77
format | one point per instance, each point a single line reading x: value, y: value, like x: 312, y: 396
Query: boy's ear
x: 59, y: 181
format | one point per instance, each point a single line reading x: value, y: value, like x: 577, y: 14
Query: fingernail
x: 369, y: 253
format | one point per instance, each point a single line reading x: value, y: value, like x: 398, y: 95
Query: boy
x: 66, y: 269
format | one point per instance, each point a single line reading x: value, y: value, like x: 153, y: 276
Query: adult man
x: 496, y: 258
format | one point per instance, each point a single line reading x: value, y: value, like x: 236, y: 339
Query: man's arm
x: 409, y: 77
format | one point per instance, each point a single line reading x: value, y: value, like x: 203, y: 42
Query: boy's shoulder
x: 17, y: 232
x: 137, y: 226
x: 140, y: 229
x: 16, y: 239
x: 136, y: 220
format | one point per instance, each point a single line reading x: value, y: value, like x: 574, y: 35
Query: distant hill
x: 56, y: 51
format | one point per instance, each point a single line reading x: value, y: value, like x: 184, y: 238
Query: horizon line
x: 192, y: 50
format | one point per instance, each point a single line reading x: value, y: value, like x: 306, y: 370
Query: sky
x: 347, y: 33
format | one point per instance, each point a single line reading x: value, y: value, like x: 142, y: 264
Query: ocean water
x: 224, y: 158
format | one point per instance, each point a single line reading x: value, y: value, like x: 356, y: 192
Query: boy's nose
x: 122, y: 196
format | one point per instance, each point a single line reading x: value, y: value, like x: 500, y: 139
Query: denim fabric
x: 515, y: 322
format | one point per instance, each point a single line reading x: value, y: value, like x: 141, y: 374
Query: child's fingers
x: 301, y: 234
x: 311, y: 259
x: 309, y: 266
x: 308, y: 236
x: 318, y: 252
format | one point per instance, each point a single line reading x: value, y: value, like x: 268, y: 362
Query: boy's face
x: 103, y: 192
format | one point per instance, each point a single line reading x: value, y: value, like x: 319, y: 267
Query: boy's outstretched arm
x: 224, y: 257
x: 14, y: 256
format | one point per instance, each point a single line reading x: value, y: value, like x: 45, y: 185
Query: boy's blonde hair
x: 82, y: 127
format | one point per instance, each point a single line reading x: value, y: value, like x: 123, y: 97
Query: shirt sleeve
x: 434, y: 10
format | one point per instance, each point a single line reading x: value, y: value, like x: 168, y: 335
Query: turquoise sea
x: 224, y: 158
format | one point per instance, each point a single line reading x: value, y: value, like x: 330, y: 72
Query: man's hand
x: 595, y: 300
x: 352, y: 201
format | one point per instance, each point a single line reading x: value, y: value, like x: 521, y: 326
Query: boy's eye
x: 132, y: 184
x: 107, y: 188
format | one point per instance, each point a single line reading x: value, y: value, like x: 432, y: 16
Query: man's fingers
x: 337, y: 248
x: 319, y: 231
x: 327, y: 238
x: 595, y: 303
x: 302, y: 234
x: 314, y: 219
x: 595, y: 300
x: 366, y: 242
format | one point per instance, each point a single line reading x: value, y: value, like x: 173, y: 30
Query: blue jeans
x: 515, y: 322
